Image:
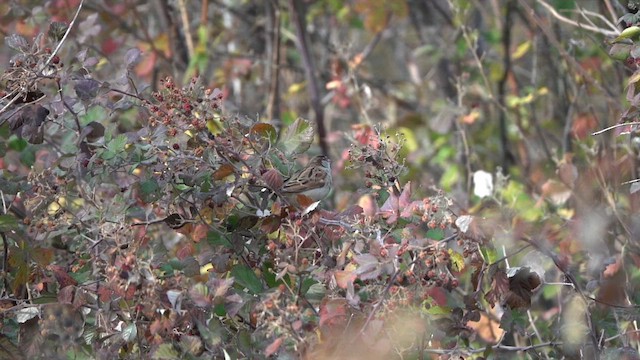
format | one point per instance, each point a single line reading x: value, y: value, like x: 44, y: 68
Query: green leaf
x: 129, y: 333
x: 17, y: 144
x: 489, y: 255
x: 211, y: 334
x: 246, y: 278
x: 217, y: 239
x: 620, y: 51
x: 439, y: 310
x: 457, y: 260
x: 149, y: 189
x: 316, y: 292
x: 632, y: 32
x: 166, y: 352
x: 450, y: 177
x: 8, y: 223
x: 117, y: 144
x: 182, y: 187
x: 435, y: 234
x: 297, y: 137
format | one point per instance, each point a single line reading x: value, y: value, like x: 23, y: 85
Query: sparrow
x: 312, y: 183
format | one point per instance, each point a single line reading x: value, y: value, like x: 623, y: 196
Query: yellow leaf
x: 521, y: 50
x: 296, y: 88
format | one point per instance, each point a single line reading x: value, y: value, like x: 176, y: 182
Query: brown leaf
x: 28, y: 121
x: 66, y: 294
x: 223, y: 171
x: 273, y: 179
x: 499, y: 287
x: 522, y: 283
x: 199, y: 232
x: 61, y: 275
x: 613, y: 282
x: 270, y: 224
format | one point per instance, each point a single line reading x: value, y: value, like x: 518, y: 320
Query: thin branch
x: 297, y: 17
x: 578, y: 24
x: 184, y: 15
x: 273, y: 70
x: 494, y: 347
x: 55, y: 51
x: 615, y: 126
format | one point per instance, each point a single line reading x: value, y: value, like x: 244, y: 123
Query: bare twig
x: 184, y: 15
x: 273, y: 70
x: 578, y: 24
x: 55, y: 51
x: 614, y: 127
x: 297, y: 17
x: 495, y: 347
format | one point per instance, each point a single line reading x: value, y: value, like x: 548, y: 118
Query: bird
x: 311, y: 184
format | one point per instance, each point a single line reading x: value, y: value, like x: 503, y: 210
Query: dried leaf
x: 522, y: 283
x: 499, y: 287
x: 344, y: 278
x: 62, y: 276
x: 223, y: 171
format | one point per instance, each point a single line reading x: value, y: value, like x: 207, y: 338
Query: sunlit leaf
x: 632, y: 32
x: 438, y: 310
x: 435, y: 234
x: 26, y: 314
x: 297, y: 137
x: 521, y: 50
x: 129, y: 333
x: 457, y: 260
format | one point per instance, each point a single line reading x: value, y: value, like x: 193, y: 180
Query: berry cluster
x: 182, y: 109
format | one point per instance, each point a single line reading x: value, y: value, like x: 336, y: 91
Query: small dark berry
x: 176, y: 147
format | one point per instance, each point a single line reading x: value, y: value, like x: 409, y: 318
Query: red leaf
x: 185, y: 251
x: 273, y: 347
x: 199, y: 232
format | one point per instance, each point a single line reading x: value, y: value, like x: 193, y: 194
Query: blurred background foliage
x: 494, y: 101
